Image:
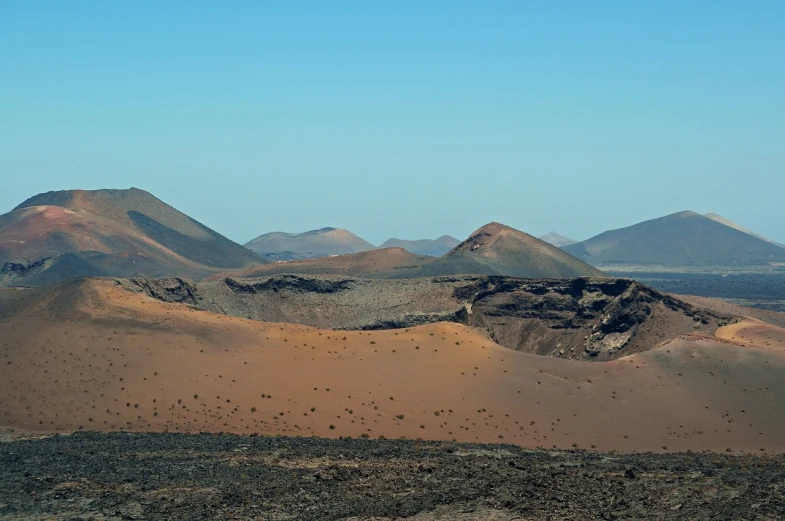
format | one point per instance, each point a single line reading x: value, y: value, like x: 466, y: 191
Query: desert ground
x: 89, y: 355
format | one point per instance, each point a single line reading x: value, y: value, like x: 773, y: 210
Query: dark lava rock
x: 199, y: 477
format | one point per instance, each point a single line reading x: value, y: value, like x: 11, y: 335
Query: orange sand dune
x: 753, y: 332
x: 89, y: 355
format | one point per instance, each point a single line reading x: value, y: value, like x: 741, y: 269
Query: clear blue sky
x: 408, y: 118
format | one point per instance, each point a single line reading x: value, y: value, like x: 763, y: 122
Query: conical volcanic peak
x: 679, y: 239
x: 499, y: 249
x: 109, y: 232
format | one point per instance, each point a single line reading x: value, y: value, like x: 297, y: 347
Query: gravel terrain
x: 194, y: 477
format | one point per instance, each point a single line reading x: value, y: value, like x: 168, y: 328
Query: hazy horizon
x: 406, y: 120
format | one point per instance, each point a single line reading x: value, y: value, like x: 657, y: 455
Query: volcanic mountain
x: 57, y: 235
x: 680, y: 239
x: 728, y: 222
x: 431, y: 247
x: 497, y: 249
x: 494, y: 249
x: 315, y: 243
x: 557, y: 240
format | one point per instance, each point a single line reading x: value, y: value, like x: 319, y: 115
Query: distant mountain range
x: 127, y: 233
x: 281, y: 246
x: 680, y: 239
x: 494, y: 249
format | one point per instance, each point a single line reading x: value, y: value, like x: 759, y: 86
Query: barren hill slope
x: 432, y: 247
x: 315, y: 243
x: 57, y: 235
x: 500, y: 250
x: 728, y: 222
x: 90, y: 355
x: 680, y: 239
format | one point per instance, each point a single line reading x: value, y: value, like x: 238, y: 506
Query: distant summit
x: 680, y: 239
x: 498, y: 249
x: 58, y: 235
x: 431, y: 247
x: 557, y: 240
x: 315, y: 243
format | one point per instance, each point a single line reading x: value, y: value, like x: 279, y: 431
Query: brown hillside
x: 502, y: 250
x: 57, y: 235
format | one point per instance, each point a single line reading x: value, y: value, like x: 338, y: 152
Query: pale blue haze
x: 409, y: 118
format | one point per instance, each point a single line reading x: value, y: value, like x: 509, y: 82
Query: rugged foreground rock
x: 585, y: 318
x: 173, y: 476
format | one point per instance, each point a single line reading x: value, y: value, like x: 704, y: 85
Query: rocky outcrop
x: 12, y: 272
x: 583, y: 318
x: 459, y: 316
x: 292, y: 283
x: 170, y: 289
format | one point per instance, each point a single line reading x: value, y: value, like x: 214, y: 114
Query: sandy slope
x: 90, y: 355
x: 754, y: 332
